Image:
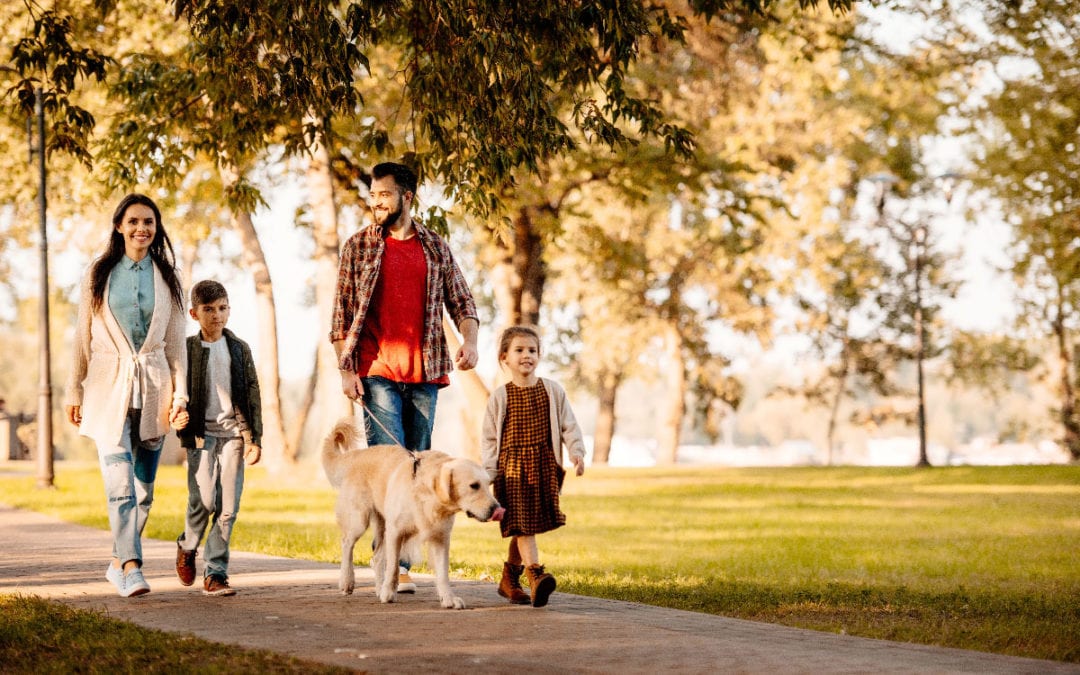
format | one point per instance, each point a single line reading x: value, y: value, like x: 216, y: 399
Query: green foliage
x: 50, y: 59
x: 901, y: 554
x: 1030, y: 128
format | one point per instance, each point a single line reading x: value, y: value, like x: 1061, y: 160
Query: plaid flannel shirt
x: 358, y: 272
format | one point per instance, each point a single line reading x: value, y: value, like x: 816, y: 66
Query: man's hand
x: 466, y: 357
x: 351, y: 385
x: 74, y: 414
x: 252, y: 454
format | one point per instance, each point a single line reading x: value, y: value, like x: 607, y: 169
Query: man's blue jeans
x: 215, y: 483
x: 129, y: 471
x: 407, y: 411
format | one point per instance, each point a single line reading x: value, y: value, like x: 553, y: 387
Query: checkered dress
x: 529, y: 477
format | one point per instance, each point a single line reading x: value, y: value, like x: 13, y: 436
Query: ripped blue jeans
x: 129, y: 470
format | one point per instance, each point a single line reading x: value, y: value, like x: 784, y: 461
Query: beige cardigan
x: 564, y: 427
x: 106, y: 366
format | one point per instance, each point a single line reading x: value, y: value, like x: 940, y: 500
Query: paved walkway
x: 294, y: 607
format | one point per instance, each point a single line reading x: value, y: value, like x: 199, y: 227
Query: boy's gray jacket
x: 244, y: 390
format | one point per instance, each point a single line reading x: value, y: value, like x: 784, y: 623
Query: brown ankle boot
x: 541, y: 583
x: 510, y: 584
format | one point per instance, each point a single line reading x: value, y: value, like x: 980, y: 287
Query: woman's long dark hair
x: 161, y: 252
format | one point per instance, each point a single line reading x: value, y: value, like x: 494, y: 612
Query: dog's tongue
x: 499, y: 513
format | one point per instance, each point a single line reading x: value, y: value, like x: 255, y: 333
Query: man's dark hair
x: 403, y: 175
x: 205, y: 292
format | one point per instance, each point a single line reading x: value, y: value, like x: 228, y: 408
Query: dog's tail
x: 343, y: 436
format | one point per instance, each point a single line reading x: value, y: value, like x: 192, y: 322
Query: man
x: 394, y: 278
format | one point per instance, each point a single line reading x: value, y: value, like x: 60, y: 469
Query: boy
x: 220, y: 430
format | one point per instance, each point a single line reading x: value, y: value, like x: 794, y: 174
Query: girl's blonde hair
x: 512, y: 332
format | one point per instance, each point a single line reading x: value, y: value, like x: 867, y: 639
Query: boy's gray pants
x: 215, y: 482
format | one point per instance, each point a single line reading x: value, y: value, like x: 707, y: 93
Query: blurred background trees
x: 680, y: 194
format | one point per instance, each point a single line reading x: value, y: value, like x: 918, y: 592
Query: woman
x: 128, y: 380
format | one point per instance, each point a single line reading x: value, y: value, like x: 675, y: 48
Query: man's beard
x: 391, y: 217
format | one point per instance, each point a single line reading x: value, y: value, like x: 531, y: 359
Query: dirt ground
x: 294, y: 607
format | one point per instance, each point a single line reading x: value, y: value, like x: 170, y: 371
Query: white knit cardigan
x: 564, y: 427
x: 106, y: 366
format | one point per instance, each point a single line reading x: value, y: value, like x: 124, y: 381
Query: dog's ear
x: 444, y: 483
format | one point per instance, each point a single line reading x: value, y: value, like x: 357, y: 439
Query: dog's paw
x: 452, y: 602
x: 387, y: 596
x: 346, y: 583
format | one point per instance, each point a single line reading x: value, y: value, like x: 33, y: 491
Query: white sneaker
x: 134, y: 584
x: 404, y: 581
x: 116, y: 576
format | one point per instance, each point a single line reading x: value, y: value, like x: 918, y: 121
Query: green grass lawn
x: 983, y: 558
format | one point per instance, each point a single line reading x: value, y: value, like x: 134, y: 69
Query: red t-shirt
x: 393, y: 332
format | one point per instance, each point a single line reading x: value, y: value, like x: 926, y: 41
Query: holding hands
x: 178, y: 418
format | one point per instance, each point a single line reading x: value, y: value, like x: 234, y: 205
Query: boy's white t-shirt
x: 220, y: 416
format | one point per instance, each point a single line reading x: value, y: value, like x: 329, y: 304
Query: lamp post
x: 920, y: 343
x: 44, y: 417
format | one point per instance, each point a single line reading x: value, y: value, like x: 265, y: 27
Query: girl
x: 527, y: 423
x: 129, y: 376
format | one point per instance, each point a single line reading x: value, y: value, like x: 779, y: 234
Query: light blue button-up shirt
x: 131, y: 297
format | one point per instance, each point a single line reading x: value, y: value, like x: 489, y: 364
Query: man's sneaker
x: 134, y: 584
x: 404, y: 581
x: 216, y: 584
x: 185, y: 565
x: 116, y: 576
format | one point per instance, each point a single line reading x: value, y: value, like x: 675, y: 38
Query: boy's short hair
x: 205, y: 292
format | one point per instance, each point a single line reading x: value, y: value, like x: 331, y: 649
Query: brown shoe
x: 215, y: 584
x: 405, y: 584
x: 541, y: 583
x: 510, y: 585
x: 185, y: 565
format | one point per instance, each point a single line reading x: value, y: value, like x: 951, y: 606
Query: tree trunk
x: 605, y: 417
x: 834, y: 409
x: 476, y: 396
x: 529, y: 266
x: 520, y: 272
x: 187, y: 254
x: 327, y: 400
x: 670, y: 427
x: 1069, y: 418
x: 274, y: 439
x: 296, y: 432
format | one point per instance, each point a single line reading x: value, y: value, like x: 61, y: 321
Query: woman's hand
x: 74, y: 414
x: 179, y: 418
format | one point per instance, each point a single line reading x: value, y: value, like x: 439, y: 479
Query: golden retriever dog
x: 409, y: 499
